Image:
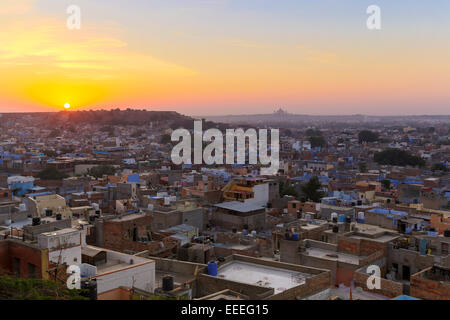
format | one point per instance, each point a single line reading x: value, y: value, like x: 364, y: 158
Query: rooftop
x: 260, y: 275
x: 239, y: 206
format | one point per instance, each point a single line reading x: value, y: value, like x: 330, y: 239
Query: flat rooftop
x: 333, y: 255
x: 278, y: 279
x: 239, y: 206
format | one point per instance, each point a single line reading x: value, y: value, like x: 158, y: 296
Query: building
x: 48, y: 206
x: 432, y: 283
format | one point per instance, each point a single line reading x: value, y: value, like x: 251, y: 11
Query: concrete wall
x: 141, y: 276
x: 413, y: 259
x: 207, y: 285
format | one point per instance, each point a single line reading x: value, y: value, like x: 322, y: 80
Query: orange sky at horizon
x: 44, y: 65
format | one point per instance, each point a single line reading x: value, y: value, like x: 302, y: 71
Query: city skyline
x: 226, y: 57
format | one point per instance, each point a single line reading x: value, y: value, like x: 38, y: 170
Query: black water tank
x: 97, y: 212
x: 287, y: 236
x: 59, y: 216
x: 91, y: 289
x: 48, y: 212
x: 234, y: 230
x: 92, y: 218
x: 335, y: 220
x: 168, y: 283
x: 335, y: 229
x: 447, y: 233
x: 348, y: 219
x: 245, y: 226
x: 359, y: 202
x: 36, y: 221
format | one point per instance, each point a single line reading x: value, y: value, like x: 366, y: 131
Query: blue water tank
x: 212, y: 269
x: 295, y: 237
x: 341, y: 218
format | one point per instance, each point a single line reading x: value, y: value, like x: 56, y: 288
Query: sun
x: 67, y: 106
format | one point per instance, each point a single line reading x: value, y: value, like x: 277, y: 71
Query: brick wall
x: 388, y: 288
x: 351, y: 246
x: 10, y: 249
x: 316, y: 284
x: 423, y: 288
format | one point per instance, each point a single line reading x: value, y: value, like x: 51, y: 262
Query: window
x: 32, y: 271
x: 16, y: 267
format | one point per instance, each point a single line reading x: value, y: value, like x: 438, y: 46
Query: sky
x: 218, y: 57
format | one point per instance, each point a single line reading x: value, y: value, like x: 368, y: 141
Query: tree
x: 13, y: 288
x: 386, y: 184
x: 311, y: 190
x: 397, y: 157
x: 313, y: 132
x: 439, y: 167
x: 367, y: 136
x: 99, y: 171
x: 287, y: 190
x: 166, y: 138
x: 50, y: 153
x: 51, y: 173
x: 362, y: 167
x: 317, y: 141
x: 138, y: 133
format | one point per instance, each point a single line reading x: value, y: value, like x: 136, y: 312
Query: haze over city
x: 215, y: 57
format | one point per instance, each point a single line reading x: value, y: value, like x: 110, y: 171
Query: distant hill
x: 99, y: 117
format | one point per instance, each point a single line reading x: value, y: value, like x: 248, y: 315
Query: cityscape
x: 207, y: 151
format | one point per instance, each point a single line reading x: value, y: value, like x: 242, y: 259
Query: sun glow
x: 67, y: 106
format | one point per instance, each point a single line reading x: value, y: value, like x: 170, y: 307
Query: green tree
x: 287, y: 190
x: 362, y: 167
x: 166, y: 138
x: 311, y: 190
x: 13, y: 288
x: 397, y: 157
x: 386, y: 184
x: 51, y: 173
x: 317, y: 141
x: 99, y: 171
x: 367, y: 136
x: 313, y: 132
x: 439, y: 167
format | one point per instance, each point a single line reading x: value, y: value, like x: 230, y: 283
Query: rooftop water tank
x: 295, y: 237
x: 167, y: 283
x: 212, y: 268
x: 36, y: 221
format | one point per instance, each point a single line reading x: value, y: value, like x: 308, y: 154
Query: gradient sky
x: 205, y: 57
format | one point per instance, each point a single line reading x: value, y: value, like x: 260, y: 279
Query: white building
x: 64, y: 246
x: 119, y: 270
